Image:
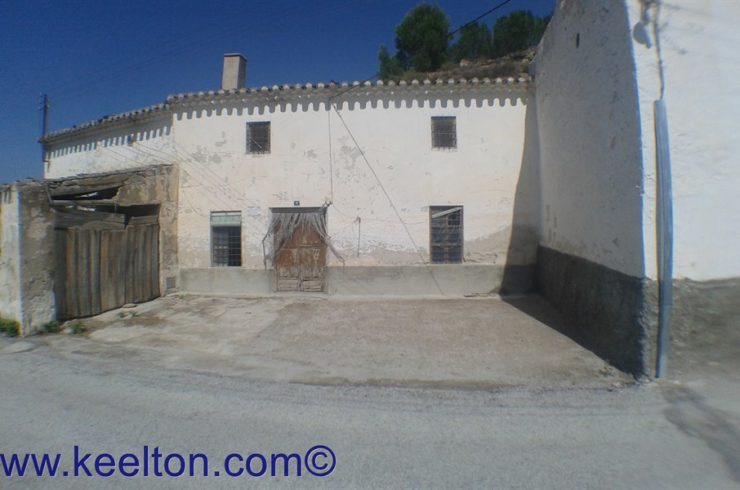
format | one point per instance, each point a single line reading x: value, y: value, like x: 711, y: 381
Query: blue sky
x: 97, y: 57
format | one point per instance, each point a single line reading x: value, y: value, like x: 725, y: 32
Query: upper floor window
x: 444, y: 132
x: 258, y: 137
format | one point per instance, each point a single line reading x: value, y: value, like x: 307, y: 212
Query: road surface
x: 655, y: 435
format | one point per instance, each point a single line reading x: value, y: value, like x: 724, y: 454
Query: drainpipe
x: 664, y: 198
x: 664, y: 210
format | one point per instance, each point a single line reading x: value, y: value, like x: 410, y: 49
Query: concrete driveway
x: 476, y: 343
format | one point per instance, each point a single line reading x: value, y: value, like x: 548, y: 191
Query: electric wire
x: 387, y: 195
x: 484, y: 14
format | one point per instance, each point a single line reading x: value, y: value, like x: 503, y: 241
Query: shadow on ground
x: 718, y: 429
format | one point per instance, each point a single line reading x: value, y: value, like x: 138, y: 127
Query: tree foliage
x: 474, y: 42
x: 516, y: 31
x: 390, y: 67
x: 421, y: 38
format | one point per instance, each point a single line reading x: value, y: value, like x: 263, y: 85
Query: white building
x: 607, y: 183
x: 404, y: 175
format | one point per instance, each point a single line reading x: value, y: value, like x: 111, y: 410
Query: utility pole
x: 44, y: 123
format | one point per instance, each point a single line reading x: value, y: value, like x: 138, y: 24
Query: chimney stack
x: 235, y: 72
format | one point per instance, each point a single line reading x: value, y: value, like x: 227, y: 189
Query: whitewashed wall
x: 589, y: 127
x: 698, y: 52
x: 118, y: 147
x: 10, y: 284
x: 482, y: 174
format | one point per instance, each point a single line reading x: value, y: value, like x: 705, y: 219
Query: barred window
x: 226, y: 238
x: 446, y: 234
x: 258, y: 137
x: 444, y: 132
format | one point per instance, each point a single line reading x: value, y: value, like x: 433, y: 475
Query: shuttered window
x: 444, y: 132
x: 258, y: 137
x: 226, y: 238
x: 446, y: 234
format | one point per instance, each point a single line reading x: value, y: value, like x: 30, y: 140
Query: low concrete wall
x: 453, y: 280
x: 226, y: 280
x: 447, y: 280
x: 607, y: 311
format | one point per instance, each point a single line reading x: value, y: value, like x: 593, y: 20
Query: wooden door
x: 300, y: 265
x: 101, y: 267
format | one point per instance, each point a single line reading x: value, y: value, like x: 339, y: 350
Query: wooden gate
x: 105, y: 264
x: 301, y: 262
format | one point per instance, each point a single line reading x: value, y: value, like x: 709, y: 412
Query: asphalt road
x: 645, y: 436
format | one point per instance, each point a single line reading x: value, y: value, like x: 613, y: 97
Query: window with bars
x: 444, y: 132
x: 226, y: 238
x: 446, y: 234
x: 258, y: 137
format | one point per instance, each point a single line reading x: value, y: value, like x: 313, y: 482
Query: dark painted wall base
x: 609, y: 312
x: 706, y: 328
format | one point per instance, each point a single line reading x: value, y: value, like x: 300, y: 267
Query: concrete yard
x: 468, y: 343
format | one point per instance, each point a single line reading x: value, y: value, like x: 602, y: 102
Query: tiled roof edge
x: 521, y: 82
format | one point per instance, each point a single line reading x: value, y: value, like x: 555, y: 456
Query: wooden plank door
x: 102, y: 269
x: 300, y: 265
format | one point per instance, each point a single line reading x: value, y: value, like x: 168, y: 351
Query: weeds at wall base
x: 76, y: 328
x: 11, y: 328
x: 52, y: 327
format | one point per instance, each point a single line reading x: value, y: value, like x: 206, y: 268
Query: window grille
x: 258, y: 137
x: 226, y: 238
x: 446, y: 234
x: 444, y: 132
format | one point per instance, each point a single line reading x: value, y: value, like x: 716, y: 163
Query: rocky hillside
x: 512, y: 65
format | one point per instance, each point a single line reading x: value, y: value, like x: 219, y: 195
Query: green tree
x: 422, y: 38
x: 516, y: 31
x: 390, y: 67
x: 473, y: 42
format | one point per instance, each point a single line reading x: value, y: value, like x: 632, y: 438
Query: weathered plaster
x: 37, y: 258
x: 697, y: 41
x: 401, y: 280
x: 395, y: 135
x: 120, y: 147
x: 26, y: 258
x: 158, y: 185
x: 589, y: 134
x: 706, y: 318
x: 27, y: 220
x: 10, y: 247
x: 591, y: 264
x: 151, y: 185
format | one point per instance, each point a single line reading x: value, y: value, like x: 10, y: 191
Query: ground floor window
x: 226, y: 238
x: 446, y: 234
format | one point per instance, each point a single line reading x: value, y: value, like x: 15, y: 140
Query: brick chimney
x: 235, y: 72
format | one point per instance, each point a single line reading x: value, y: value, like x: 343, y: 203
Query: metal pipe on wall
x: 664, y: 225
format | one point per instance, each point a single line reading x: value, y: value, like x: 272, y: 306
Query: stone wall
x: 38, y: 261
